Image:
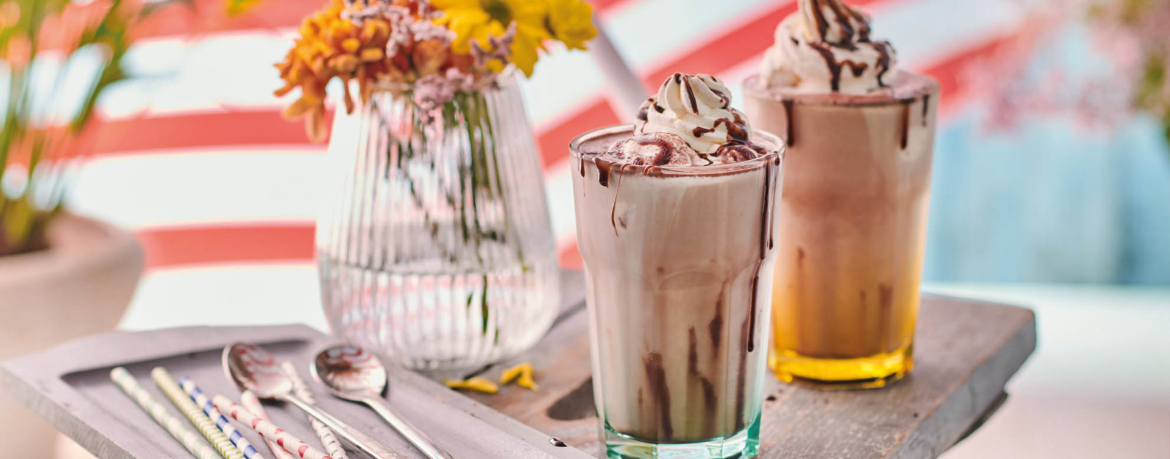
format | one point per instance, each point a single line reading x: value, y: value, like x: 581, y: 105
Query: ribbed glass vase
x: 437, y: 249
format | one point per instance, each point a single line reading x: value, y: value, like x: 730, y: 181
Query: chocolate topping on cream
x: 826, y: 46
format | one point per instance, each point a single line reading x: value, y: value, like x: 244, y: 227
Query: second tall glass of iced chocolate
x: 675, y: 226
x: 860, y: 138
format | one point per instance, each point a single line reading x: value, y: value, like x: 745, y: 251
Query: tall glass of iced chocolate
x: 675, y: 225
x: 860, y: 137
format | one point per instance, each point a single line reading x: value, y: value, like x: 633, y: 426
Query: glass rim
x: 776, y: 151
x: 751, y: 85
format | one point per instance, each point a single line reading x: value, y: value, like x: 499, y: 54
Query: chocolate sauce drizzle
x: 925, y: 109
x: 659, y: 392
x: 906, y: 123
x: 765, y: 243
x: 850, y: 39
x: 686, y: 82
x: 790, y: 111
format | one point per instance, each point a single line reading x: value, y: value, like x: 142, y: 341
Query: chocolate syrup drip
x: 819, y: 16
x: 582, y: 166
x: 642, y: 116
x: 613, y: 209
x: 906, y: 123
x: 789, y: 111
x: 715, y: 328
x: 736, y: 131
x: 603, y: 169
x: 660, y: 393
x: 751, y: 340
x: 740, y: 384
x: 557, y: 442
x: 849, y: 40
x: 765, y: 241
x: 658, y: 108
x: 883, y: 63
x: 842, y: 14
x: 925, y: 108
x: 708, y: 388
x: 856, y: 68
x: 723, y: 97
x: 863, y: 22
x: 691, y: 96
x: 831, y: 62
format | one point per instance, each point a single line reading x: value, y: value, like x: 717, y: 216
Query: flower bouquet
x: 437, y: 248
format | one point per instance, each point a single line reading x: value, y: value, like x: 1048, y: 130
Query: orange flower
x: 330, y: 47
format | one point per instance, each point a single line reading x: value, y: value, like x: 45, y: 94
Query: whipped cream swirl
x: 824, y: 47
x: 697, y: 109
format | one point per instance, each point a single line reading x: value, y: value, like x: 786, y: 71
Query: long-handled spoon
x: 251, y: 368
x: 351, y: 373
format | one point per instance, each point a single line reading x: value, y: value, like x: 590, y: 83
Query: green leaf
x: 483, y: 304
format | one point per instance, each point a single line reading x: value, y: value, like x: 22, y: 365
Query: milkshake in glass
x: 675, y: 226
x: 852, y: 223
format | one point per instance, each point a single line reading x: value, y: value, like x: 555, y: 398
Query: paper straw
x: 323, y: 432
x: 252, y: 403
x: 194, y: 414
x: 625, y: 88
x: 220, y: 421
x: 267, y: 429
x: 174, y: 426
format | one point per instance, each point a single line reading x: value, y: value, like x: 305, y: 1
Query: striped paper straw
x: 194, y: 414
x: 267, y: 429
x: 251, y: 403
x: 323, y: 432
x: 175, y: 426
x: 220, y: 421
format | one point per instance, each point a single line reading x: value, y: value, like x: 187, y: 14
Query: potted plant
x: 61, y: 275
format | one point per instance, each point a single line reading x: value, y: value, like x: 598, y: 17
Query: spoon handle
x: 362, y: 441
x: 416, y: 438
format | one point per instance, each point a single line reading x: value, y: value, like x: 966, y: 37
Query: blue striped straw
x: 220, y: 420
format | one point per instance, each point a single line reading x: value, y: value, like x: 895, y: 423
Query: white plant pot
x: 80, y: 286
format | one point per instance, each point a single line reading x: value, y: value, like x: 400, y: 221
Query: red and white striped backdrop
x: 195, y: 158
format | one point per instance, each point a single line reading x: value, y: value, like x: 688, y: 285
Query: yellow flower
x: 476, y: 20
x: 571, y: 22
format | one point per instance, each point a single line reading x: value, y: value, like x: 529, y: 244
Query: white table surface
x: 1098, y: 385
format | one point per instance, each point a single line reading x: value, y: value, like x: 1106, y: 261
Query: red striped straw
x: 251, y: 403
x: 267, y: 429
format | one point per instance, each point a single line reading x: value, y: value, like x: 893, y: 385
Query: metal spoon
x: 351, y: 373
x: 251, y: 368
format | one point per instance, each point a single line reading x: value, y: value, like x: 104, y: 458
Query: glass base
x: 743, y: 445
x: 841, y: 374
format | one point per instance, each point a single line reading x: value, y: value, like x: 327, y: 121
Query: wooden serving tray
x: 965, y: 351
x: 70, y: 387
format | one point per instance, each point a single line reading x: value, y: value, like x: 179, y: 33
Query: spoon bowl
x: 351, y: 373
x: 252, y: 368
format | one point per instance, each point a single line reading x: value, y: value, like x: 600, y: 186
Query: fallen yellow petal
x: 527, y: 382
x: 522, y: 371
x: 476, y: 384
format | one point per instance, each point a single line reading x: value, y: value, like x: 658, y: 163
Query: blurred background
x: 1051, y: 184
